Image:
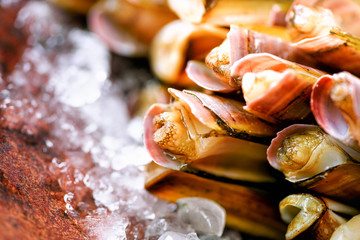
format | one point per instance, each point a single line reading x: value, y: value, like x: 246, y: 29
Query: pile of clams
x: 264, y: 110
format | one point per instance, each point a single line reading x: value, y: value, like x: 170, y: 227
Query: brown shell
x: 341, y: 182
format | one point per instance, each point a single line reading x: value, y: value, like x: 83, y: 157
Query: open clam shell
x: 275, y: 89
x: 312, y: 218
x: 336, y: 106
x: 247, y: 209
x: 178, y: 42
x: 312, y: 159
x: 209, y: 133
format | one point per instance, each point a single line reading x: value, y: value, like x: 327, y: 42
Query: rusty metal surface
x: 31, y: 201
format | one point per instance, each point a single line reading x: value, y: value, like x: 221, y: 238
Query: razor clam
x: 335, y: 103
x: 128, y: 27
x: 226, y: 12
x: 243, y: 41
x: 178, y: 42
x: 333, y: 48
x: 312, y: 159
x: 325, y: 39
x: 348, y: 230
x: 247, y: 209
x: 307, y: 18
x: 275, y: 89
x: 210, y: 134
x: 308, y: 22
x: 312, y: 218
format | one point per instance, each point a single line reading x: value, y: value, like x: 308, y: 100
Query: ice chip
x: 168, y: 223
x: 178, y: 236
x: 107, y: 226
x: 205, y: 216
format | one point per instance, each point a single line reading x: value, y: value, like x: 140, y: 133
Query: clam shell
x: 178, y: 42
x: 348, y: 230
x: 329, y: 171
x: 234, y: 119
x: 338, y: 112
x: 344, y: 14
x: 311, y: 217
x: 335, y: 44
x: 204, y: 77
x: 245, y: 41
x: 242, y: 41
x: 228, y: 141
x: 287, y: 98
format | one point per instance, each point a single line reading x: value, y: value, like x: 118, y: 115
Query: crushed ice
x: 72, y: 94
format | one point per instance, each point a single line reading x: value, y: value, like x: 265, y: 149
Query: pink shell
x: 245, y: 41
x: 276, y: 142
x: 331, y: 118
x: 327, y: 115
x: 204, y: 77
x: 156, y: 153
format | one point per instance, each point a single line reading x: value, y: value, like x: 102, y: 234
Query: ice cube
x: 109, y: 226
x: 205, y: 216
